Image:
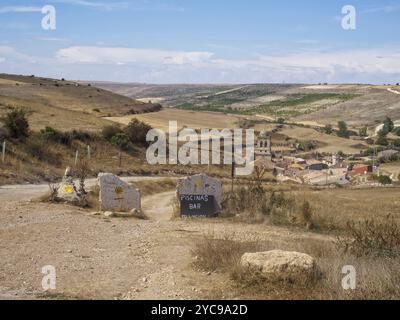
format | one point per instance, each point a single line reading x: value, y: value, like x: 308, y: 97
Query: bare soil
x: 112, y: 258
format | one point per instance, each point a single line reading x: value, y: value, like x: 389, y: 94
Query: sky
x: 203, y: 41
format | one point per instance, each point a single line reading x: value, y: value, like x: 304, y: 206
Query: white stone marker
x: 200, y: 185
x: 116, y: 195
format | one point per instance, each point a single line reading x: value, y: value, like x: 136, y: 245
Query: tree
x: 16, y: 123
x: 328, y: 129
x: 388, y: 125
x: 281, y: 121
x: 343, y: 131
x: 363, y: 132
x: 382, y: 140
x: 137, y: 131
x: 121, y: 141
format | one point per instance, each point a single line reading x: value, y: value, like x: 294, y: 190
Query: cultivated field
x: 190, y: 119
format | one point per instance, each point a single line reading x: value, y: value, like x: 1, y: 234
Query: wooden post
x: 3, y: 155
x: 120, y: 159
x: 233, y: 176
x: 76, y: 157
x: 89, y: 152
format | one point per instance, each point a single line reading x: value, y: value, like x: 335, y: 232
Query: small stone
x: 109, y: 214
x: 144, y: 279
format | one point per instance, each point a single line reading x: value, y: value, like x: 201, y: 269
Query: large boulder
x: 116, y: 195
x: 201, y: 185
x: 277, y: 265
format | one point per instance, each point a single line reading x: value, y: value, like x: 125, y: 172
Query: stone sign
x: 199, y: 195
x: 66, y: 190
x: 116, y: 195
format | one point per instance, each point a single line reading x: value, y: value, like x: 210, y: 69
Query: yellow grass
x: 190, y: 119
x: 333, y: 143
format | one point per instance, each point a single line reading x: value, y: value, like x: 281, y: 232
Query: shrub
x: 3, y: 134
x: 363, y: 132
x: 49, y: 133
x: 16, y: 123
x: 343, y: 131
x: 372, y: 237
x: 382, y: 140
x: 80, y: 135
x: 384, y: 180
x: 110, y: 131
x: 40, y: 150
x: 121, y: 141
x: 66, y: 138
x: 137, y: 131
x: 328, y: 129
x: 221, y: 254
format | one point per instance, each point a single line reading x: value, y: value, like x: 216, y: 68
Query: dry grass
x: 150, y: 187
x: 335, y: 208
x: 376, y: 278
x: 190, y: 119
x: 377, y: 237
x: 256, y: 204
x: 330, y: 143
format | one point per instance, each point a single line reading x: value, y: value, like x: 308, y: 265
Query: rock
x: 67, y: 190
x: 116, y: 195
x: 109, y: 214
x: 280, y: 265
x: 201, y: 184
x: 199, y: 195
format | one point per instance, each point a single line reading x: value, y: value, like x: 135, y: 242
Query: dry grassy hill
x: 315, y: 104
x: 65, y: 104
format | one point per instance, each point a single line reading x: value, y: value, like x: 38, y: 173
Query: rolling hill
x: 321, y: 104
x: 65, y: 104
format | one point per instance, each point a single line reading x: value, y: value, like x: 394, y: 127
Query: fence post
x: 76, y: 157
x: 3, y: 154
x: 89, y: 152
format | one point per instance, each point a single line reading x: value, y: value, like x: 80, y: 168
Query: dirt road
x: 102, y: 258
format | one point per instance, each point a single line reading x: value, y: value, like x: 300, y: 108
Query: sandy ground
x: 103, y: 258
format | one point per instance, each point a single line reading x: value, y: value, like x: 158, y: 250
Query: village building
x: 317, y: 166
x: 263, y: 146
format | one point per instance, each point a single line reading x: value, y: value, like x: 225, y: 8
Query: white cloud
x: 384, y: 9
x: 380, y: 65
x: 94, y: 4
x: 115, y: 55
x: 51, y: 39
x: 19, y: 9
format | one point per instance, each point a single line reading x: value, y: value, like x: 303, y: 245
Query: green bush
x: 16, y: 123
x: 121, y: 141
x: 384, y: 180
x: 328, y: 129
x: 343, y: 130
x: 137, y: 131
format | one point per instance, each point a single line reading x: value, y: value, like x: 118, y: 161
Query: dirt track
x: 102, y: 258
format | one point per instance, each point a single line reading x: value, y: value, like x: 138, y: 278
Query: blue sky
x: 203, y: 41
